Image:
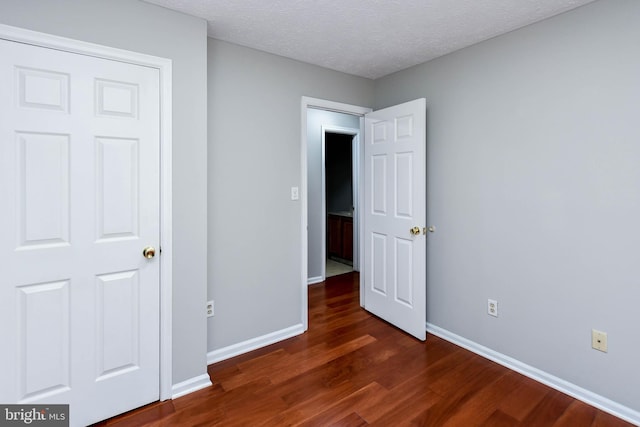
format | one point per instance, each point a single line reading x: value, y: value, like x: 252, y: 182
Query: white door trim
x: 322, y: 104
x: 164, y: 67
x: 355, y: 133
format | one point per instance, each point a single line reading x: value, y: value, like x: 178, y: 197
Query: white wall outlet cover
x: 492, y: 307
x: 295, y: 193
x: 210, y: 308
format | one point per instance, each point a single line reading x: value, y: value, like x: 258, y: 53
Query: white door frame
x: 164, y: 66
x: 355, y: 150
x: 321, y: 104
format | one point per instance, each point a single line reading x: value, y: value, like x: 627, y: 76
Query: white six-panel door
x: 79, y: 187
x: 394, y: 270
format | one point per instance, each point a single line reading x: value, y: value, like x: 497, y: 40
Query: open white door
x: 394, y: 211
x: 79, y: 183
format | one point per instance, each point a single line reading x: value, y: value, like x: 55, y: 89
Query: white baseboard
x: 552, y: 381
x: 254, y: 343
x: 314, y: 280
x: 190, y: 385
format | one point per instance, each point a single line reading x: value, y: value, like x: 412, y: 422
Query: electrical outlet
x: 599, y: 340
x: 210, y: 308
x: 295, y: 193
x: 492, y: 307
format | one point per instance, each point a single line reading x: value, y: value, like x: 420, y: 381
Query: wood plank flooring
x: 352, y: 369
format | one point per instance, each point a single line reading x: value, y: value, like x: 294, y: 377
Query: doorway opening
x: 393, y: 178
x: 317, y: 115
x: 340, y: 148
x: 336, y: 194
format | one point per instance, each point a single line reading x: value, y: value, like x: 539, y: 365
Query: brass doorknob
x: 149, y: 252
x: 415, y: 231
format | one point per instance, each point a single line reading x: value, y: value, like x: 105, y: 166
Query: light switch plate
x: 295, y: 193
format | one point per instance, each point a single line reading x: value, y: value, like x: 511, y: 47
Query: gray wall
x: 534, y: 187
x: 315, y: 120
x: 141, y: 27
x: 255, y: 262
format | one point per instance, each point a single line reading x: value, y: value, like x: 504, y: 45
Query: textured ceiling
x: 369, y: 38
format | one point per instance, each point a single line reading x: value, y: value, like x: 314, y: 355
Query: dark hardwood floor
x: 352, y: 369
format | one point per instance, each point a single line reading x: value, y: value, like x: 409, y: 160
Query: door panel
x: 403, y: 267
x: 44, y: 329
x: 378, y: 266
x: 403, y: 182
x: 395, y: 202
x: 79, y: 176
x: 43, y: 189
x: 379, y: 184
x: 42, y: 89
x: 117, y: 187
x: 117, y: 326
